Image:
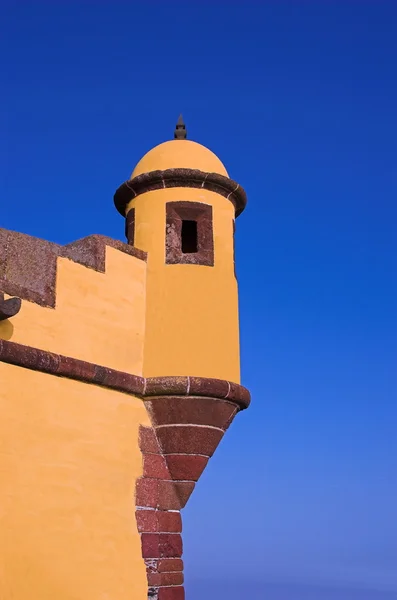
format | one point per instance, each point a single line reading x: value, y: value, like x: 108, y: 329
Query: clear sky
x: 299, y: 101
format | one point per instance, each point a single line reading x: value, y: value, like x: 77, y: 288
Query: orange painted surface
x: 99, y: 317
x: 69, y: 455
x: 180, y: 154
x: 69, y: 459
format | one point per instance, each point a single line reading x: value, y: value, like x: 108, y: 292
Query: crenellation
x: 28, y: 265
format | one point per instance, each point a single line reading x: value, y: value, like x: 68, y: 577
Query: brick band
x: 193, y: 178
x: 73, y: 368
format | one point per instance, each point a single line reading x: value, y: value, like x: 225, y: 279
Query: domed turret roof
x: 179, y: 163
x: 180, y: 154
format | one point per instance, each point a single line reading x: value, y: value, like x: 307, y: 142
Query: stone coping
x: 28, y: 265
x: 149, y: 387
x: 170, y: 178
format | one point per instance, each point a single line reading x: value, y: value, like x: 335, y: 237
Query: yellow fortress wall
x: 69, y: 459
x: 119, y: 375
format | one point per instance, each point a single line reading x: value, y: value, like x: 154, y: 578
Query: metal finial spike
x: 180, y: 132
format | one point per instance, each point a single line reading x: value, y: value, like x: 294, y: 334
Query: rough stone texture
x: 148, y: 442
x: 161, y: 545
x: 169, y: 479
x: 193, y: 178
x: 187, y: 439
x: 147, y: 521
x: 28, y: 265
x: 171, y: 593
x: 165, y: 579
x: 30, y: 358
x: 160, y: 386
x: 76, y: 369
x: 173, y: 495
x: 118, y: 380
x: 169, y: 522
x: 91, y: 251
x: 155, y: 467
x: 185, y: 467
x: 163, y: 494
x: 176, y: 212
x: 199, y: 386
x: 184, y: 410
x: 157, y: 521
x: 170, y: 564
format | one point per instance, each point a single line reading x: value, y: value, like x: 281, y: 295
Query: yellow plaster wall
x: 99, y: 317
x: 69, y: 459
x: 192, y: 323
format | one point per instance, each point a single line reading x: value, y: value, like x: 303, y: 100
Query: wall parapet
x: 28, y: 265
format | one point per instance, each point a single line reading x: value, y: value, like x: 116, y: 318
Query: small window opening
x: 189, y: 237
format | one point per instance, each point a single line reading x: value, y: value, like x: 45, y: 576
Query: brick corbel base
x: 186, y: 431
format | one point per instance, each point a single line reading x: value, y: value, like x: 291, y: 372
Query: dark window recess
x: 189, y: 237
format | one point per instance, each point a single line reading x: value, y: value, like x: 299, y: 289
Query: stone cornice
x: 150, y: 387
x: 190, y: 178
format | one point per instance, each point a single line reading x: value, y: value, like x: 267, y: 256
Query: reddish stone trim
x: 189, y: 439
x: 197, y: 386
x: 91, y: 251
x: 165, y: 579
x: 73, y: 368
x: 163, y: 494
x: 174, y: 456
x: 186, y: 467
x: 184, y: 434
x: 28, y: 265
x: 176, y: 213
x: 191, y: 178
x: 170, y: 593
x: 158, y: 502
x: 164, y: 410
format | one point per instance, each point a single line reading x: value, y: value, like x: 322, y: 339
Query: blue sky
x: 298, y: 99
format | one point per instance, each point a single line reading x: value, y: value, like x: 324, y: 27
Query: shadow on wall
x: 6, y: 330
